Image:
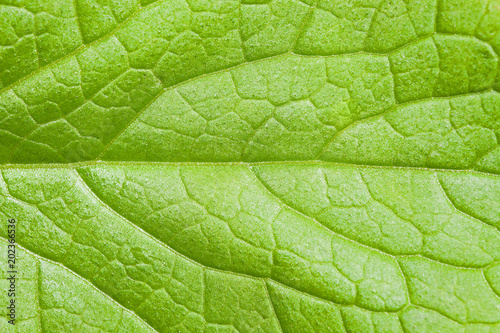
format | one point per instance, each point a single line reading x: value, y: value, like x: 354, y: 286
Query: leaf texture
x: 252, y: 166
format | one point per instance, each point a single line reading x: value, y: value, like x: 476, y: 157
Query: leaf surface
x: 254, y: 166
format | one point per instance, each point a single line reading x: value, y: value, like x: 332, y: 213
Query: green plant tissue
x: 279, y: 166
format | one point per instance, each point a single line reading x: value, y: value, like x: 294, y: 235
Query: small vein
x: 482, y: 156
x: 266, y: 287
x: 304, y: 24
x: 79, y: 49
x: 316, y: 222
x: 92, y: 285
x: 167, y: 247
x: 448, y: 197
x: 439, y: 313
x: 78, y: 22
x: 345, y: 237
x: 393, y: 108
x: 39, y: 292
x: 497, y: 294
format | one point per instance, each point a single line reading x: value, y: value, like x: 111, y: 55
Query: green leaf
x: 254, y: 166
